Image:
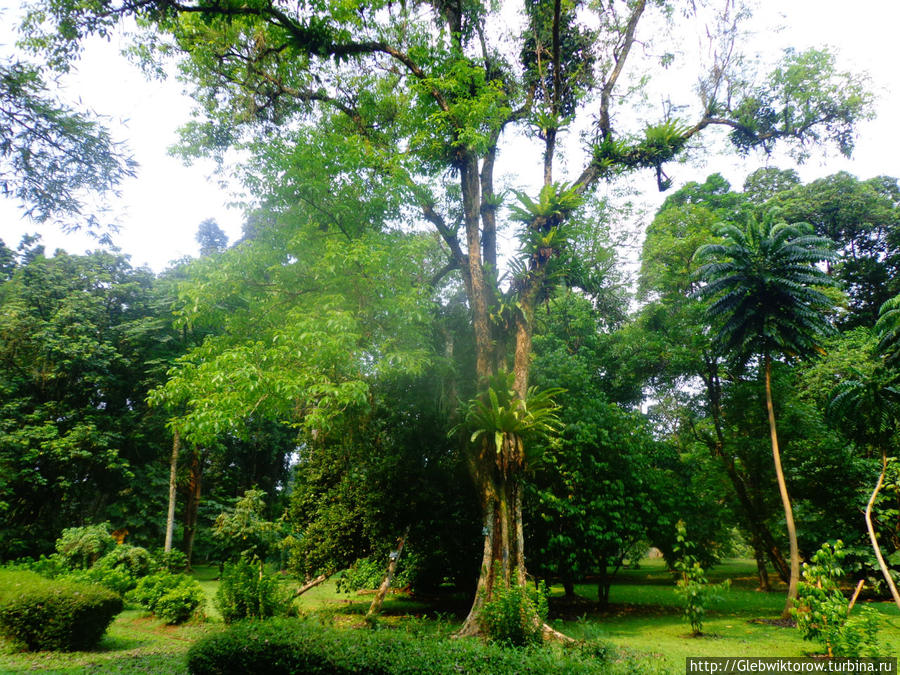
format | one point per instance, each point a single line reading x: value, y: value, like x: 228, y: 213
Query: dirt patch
x: 780, y: 623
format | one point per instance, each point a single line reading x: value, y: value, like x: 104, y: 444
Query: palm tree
x: 766, y: 293
x: 868, y: 408
x: 888, y: 329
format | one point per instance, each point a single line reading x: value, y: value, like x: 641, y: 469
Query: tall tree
x: 766, y: 293
x: 419, y: 101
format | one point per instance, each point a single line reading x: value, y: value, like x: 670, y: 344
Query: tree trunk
x: 785, y: 499
x: 761, y: 537
x: 173, y: 467
x: 322, y: 578
x: 761, y: 571
x: 378, y: 600
x: 191, y: 507
x: 884, y: 568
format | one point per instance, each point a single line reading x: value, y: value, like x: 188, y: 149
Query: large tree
x: 767, y: 300
x: 421, y: 101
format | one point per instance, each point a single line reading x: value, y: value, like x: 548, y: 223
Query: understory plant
x: 515, y: 615
x: 823, y: 611
x: 692, y: 586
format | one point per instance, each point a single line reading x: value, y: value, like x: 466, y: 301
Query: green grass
x: 644, y: 619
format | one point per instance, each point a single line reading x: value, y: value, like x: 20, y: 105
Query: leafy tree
x: 407, y: 106
x: 51, y: 156
x: 765, y: 292
x: 863, y: 218
x: 677, y: 351
x: 79, y: 336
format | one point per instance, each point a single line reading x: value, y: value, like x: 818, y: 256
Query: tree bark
x: 874, y: 539
x: 785, y: 499
x: 378, y: 600
x: 173, y: 467
x: 191, y: 506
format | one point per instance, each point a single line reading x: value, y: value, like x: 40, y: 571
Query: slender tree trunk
x: 173, y: 467
x: 884, y: 568
x: 785, y: 499
x: 761, y: 537
x: 761, y: 571
x: 378, y: 600
x: 191, y: 506
x: 311, y: 584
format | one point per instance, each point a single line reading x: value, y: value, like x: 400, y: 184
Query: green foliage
x: 170, y: 561
x: 117, y: 579
x: 81, y: 547
x: 83, y: 338
x: 249, y: 592
x: 888, y: 330
x: 244, y: 531
x: 692, y: 586
x: 172, y: 597
x: 301, y: 646
x: 50, y: 154
x: 504, y: 422
x: 365, y: 573
x: 823, y: 613
x: 765, y: 289
x: 56, y: 615
x: 515, y: 615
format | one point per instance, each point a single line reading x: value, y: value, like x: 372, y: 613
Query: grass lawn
x: 643, y: 619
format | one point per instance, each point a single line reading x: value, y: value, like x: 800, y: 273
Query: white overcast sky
x: 159, y: 210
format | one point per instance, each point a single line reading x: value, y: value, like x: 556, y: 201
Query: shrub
x: 823, y: 613
x: 515, y: 615
x: 134, y: 559
x: 172, y: 597
x: 56, y: 615
x: 81, y: 547
x: 692, y: 586
x: 116, y: 579
x: 170, y: 561
x: 296, y: 646
x: 244, y: 593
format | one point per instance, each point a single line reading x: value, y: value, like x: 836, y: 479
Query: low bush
x: 116, y: 579
x: 57, y: 615
x: 174, y: 598
x: 136, y: 560
x: 302, y: 646
x: 245, y: 594
x: 169, y: 561
x: 515, y: 616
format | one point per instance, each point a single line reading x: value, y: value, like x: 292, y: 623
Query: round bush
x: 56, y: 615
x: 172, y: 597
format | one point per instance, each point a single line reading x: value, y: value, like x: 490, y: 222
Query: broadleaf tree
x: 423, y: 101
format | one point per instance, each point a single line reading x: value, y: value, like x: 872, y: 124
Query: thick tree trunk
x: 874, y: 539
x: 173, y: 468
x: 191, y: 507
x: 785, y: 499
x: 380, y: 594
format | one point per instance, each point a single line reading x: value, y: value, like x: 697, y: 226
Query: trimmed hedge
x: 299, y: 647
x: 57, y: 615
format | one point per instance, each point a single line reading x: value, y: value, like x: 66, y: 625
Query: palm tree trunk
x: 871, y: 528
x: 785, y: 499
